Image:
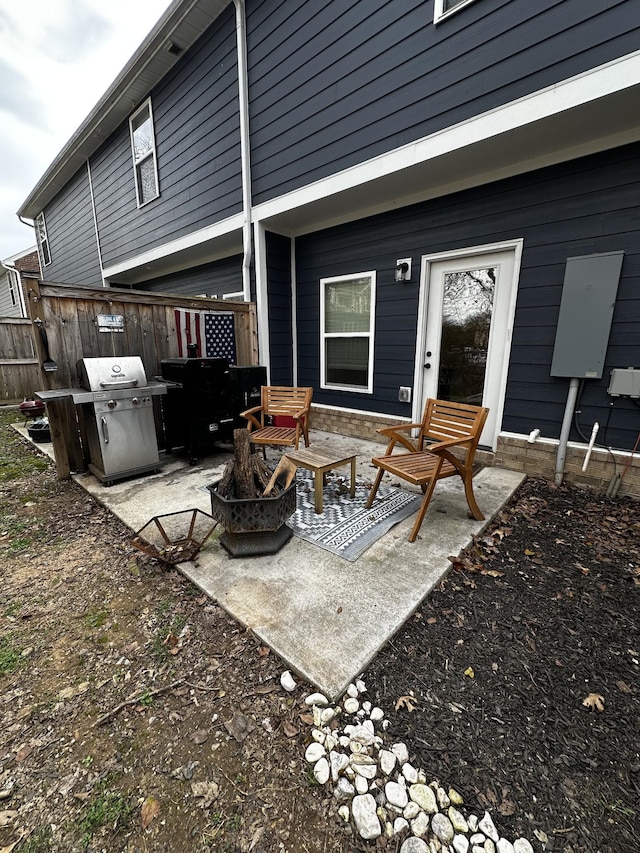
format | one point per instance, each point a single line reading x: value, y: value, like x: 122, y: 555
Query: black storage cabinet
x: 206, y: 408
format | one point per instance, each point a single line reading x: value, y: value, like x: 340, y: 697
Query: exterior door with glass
x: 468, y: 302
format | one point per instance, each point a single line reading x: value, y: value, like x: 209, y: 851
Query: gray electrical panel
x: 586, y: 309
x: 625, y: 383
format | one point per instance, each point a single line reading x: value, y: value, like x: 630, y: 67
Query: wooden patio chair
x: 280, y: 403
x: 445, y: 427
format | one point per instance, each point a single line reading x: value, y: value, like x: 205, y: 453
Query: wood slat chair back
x: 285, y: 402
x: 445, y: 427
x: 444, y: 420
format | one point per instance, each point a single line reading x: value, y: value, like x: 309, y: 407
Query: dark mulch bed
x: 542, y: 613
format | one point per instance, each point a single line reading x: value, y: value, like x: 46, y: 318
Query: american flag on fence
x: 212, y: 331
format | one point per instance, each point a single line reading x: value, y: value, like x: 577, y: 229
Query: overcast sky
x: 58, y: 58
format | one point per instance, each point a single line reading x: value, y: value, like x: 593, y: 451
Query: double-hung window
x: 14, y: 287
x: 43, y: 242
x: 347, y: 319
x: 143, y: 147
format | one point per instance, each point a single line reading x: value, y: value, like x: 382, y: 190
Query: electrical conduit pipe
x: 592, y: 441
x: 572, y: 396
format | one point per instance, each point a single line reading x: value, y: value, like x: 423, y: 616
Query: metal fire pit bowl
x: 176, y: 537
x: 253, y: 526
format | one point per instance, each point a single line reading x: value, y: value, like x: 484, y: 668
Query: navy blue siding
x: 333, y: 84
x: 197, y: 133
x: 72, y: 235
x: 213, y: 279
x: 579, y: 208
x: 279, y: 291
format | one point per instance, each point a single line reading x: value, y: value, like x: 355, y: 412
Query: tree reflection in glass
x: 467, y: 307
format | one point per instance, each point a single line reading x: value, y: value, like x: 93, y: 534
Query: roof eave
x: 182, y: 24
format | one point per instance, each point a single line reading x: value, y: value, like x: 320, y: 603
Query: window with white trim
x: 143, y: 149
x: 14, y: 284
x: 347, y: 320
x: 43, y: 242
x: 444, y: 8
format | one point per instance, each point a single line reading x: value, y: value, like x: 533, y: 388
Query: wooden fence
x: 69, y: 316
x: 67, y: 323
x: 20, y: 372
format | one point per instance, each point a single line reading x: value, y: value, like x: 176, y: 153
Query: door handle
x: 105, y: 430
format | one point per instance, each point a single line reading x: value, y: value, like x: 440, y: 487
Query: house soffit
x: 398, y: 179
x: 210, y: 244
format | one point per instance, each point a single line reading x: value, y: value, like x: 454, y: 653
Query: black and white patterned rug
x: 345, y: 526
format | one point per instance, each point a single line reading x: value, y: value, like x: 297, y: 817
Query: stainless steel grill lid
x: 111, y: 373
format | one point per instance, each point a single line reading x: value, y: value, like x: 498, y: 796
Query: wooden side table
x: 320, y: 463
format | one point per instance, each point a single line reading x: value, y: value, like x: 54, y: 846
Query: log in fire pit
x: 253, y: 523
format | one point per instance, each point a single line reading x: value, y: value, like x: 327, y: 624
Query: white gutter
x: 20, y: 295
x: 245, y: 150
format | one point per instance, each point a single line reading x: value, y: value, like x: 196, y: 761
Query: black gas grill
x: 204, y: 407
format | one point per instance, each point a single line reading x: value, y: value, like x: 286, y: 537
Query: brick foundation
x: 539, y: 460
x: 513, y: 452
x: 356, y: 424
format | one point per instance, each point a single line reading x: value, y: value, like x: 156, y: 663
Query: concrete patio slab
x: 324, y: 616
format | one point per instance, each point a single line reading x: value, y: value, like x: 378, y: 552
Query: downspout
x: 19, y: 294
x: 294, y: 312
x: 245, y: 150
x: 95, y: 222
x: 32, y: 225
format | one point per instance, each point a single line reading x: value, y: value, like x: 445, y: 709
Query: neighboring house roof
x: 180, y: 26
x: 12, y: 271
x: 26, y: 261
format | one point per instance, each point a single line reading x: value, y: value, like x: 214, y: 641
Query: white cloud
x: 17, y: 98
x: 58, y: 59
x: 76, y: 35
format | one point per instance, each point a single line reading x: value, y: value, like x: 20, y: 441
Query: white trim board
x: 262, y: 297
x: 580, y: 90
x: 439, y: 12
x: 226, y: 227
x: 19, y: 255
x: 583, y: 89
